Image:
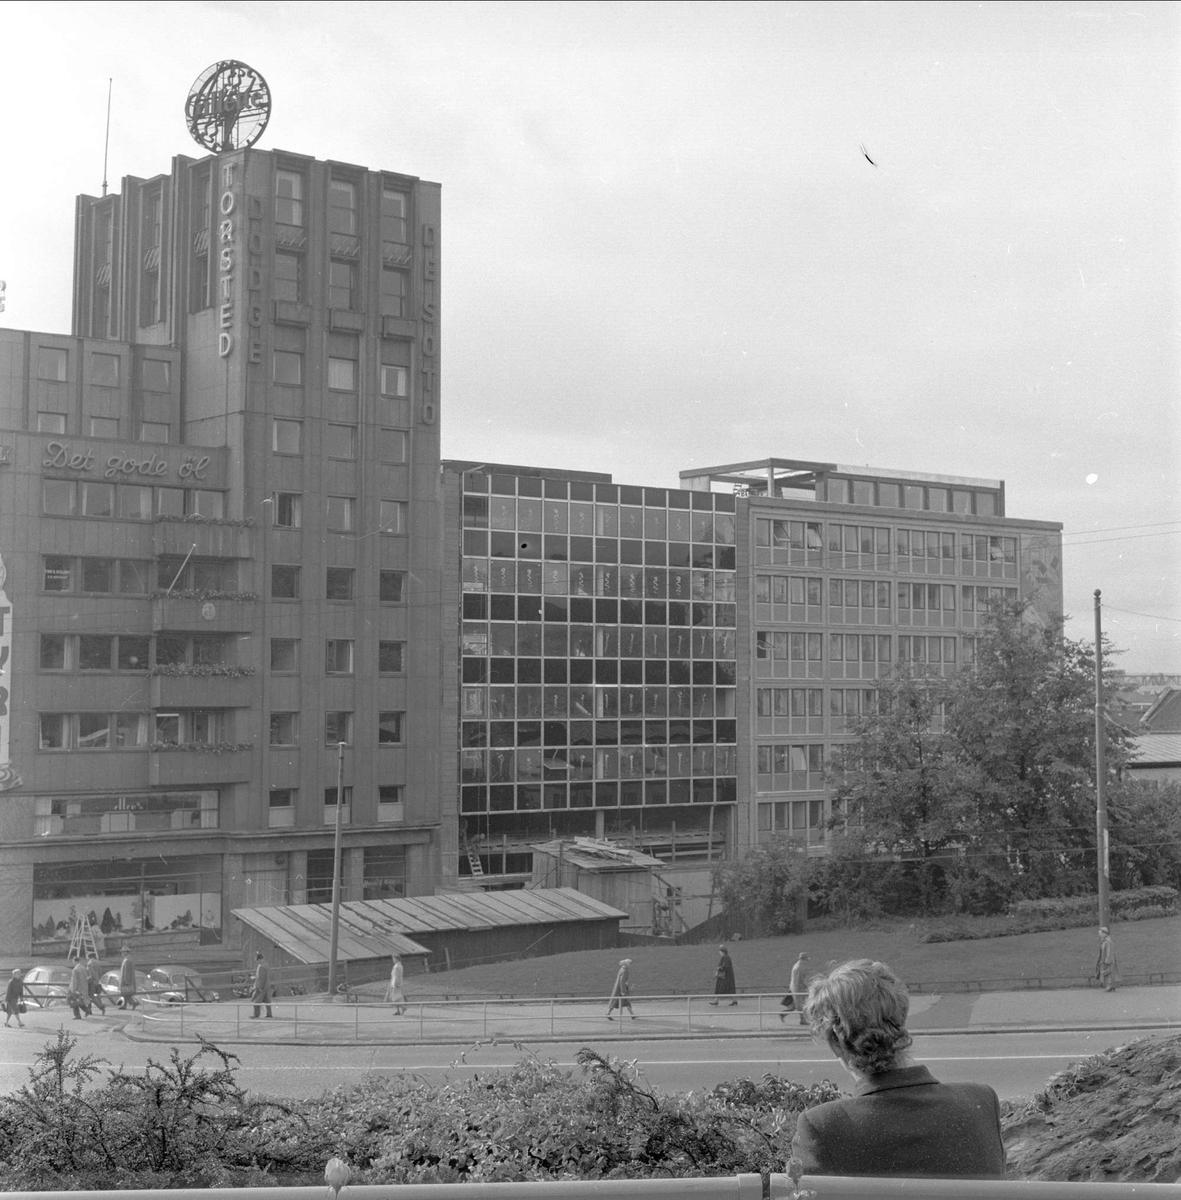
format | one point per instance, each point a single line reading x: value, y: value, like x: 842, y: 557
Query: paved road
x: 1010, y: 1040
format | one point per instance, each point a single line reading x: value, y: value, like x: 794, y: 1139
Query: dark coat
x: 905, y: 1123
x: 724, y: 976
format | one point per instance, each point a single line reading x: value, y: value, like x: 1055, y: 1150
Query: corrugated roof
x: 1149, y: 749
x: 379, y: 928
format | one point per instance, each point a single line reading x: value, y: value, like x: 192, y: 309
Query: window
x: 284, y: 582
x: 157, y: 375
x: 289, y: 277
x: 340, y: 441
x: 391, y: 806
x: 135, y: 502
x: 390, y: 586
x: 340, y: 510
x: 395, y: 382
x: 286, y: 436
x: 342, y: 374
x: 330, y: 810
x: 288, y: 510
x: 207, y: 504
x: 393, y: 216
x: 53, y: 652
x: 98, y: 574
x: 340, y: 583
x: 94, y: 652
x: 59, y: 497
x: 288, y: 368
x: 104, y: 370
x: 57, y: 573
x: 170, y: 502
x: 392, y: 516
x: 284, y: 729
x: 392, y: 445
x: 390, y: 657
x: 338, y: 727
x: 342, y: 207
x: 281, y: 808
x: 153, y: 431
x: 342, y: 283
x: 54, y: 731
x: 104, y: 427
x: 52, y: 363
x: 338, y: 659
x: 132, y: 653
x: 284, y: 655
x: 51, y: 422
x: 393, y: 292
x: 389, y: 728
x: 288, y: 198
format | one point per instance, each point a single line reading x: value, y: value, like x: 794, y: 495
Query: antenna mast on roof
x: 107, y: 138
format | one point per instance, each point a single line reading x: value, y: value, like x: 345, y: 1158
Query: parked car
x: 145, y: 986
x: 47, y: 985
x: 176, y: 983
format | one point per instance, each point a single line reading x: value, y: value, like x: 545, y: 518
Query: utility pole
x: 334, y: 936
x: 1101, y: 773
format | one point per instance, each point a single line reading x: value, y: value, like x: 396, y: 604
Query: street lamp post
x: 333, y: 937
x: 1101, y: 839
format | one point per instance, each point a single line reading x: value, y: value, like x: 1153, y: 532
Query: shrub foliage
x: 187, y: 1123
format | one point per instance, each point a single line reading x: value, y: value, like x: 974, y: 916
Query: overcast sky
x: 664, y: 247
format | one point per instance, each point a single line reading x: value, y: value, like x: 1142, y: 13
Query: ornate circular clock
x: 228, y: 107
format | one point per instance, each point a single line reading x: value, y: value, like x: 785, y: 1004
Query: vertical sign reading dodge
x: 7, y: 778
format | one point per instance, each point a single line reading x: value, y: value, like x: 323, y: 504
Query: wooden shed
x: 608, y: 871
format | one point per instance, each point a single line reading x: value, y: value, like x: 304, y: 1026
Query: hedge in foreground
x: 188, y: 1124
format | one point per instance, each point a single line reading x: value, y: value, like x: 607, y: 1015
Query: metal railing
x: 727, y: 1187
x: 366, y: 1020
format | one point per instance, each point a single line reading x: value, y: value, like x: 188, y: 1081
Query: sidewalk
x: 312, y: 1020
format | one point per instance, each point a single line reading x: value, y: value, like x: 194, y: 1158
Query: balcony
x: 209, y: 613
x: 205, y: 539
x: 201, y: 691
x: 197, y: 768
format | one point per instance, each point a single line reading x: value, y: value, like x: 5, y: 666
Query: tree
x: 983, y: 783
x: 769, y: 884
x: 1023, y: 719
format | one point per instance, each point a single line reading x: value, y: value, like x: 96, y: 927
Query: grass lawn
x: 764, y: 965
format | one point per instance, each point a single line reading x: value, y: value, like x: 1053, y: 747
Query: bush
x: 186, y: 1124
x: 956, y: 929
x: 1122, y: 904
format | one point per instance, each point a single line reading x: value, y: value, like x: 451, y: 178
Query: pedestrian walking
x: 127, y: 981
x: 78, y: 996
x: 799, y: 985
x: 724, y: 977
x: 260, y: 995
x: 394, y: 994
x: 93, y: 986
x: 621, y: 992
x: 1106, y: 970
x: 14, y: 999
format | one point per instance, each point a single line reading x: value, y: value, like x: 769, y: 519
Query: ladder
x: 82, y: 943
x: 473, y: 860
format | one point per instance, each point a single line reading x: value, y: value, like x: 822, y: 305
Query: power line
x: 1151, y: 616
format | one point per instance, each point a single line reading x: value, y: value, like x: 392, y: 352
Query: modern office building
x: 675, y: 666
x: 219, y: 524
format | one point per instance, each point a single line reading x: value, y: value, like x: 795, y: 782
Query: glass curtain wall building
x: 598, y: 665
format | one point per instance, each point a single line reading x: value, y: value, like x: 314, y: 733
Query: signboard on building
x: 8, y: 778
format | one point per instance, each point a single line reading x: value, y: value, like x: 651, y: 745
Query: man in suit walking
x: 260, y: 996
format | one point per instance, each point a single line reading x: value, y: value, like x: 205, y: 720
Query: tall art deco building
x: 219, y: 520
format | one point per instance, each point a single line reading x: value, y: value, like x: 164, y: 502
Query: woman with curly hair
x: 900, y: 1120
